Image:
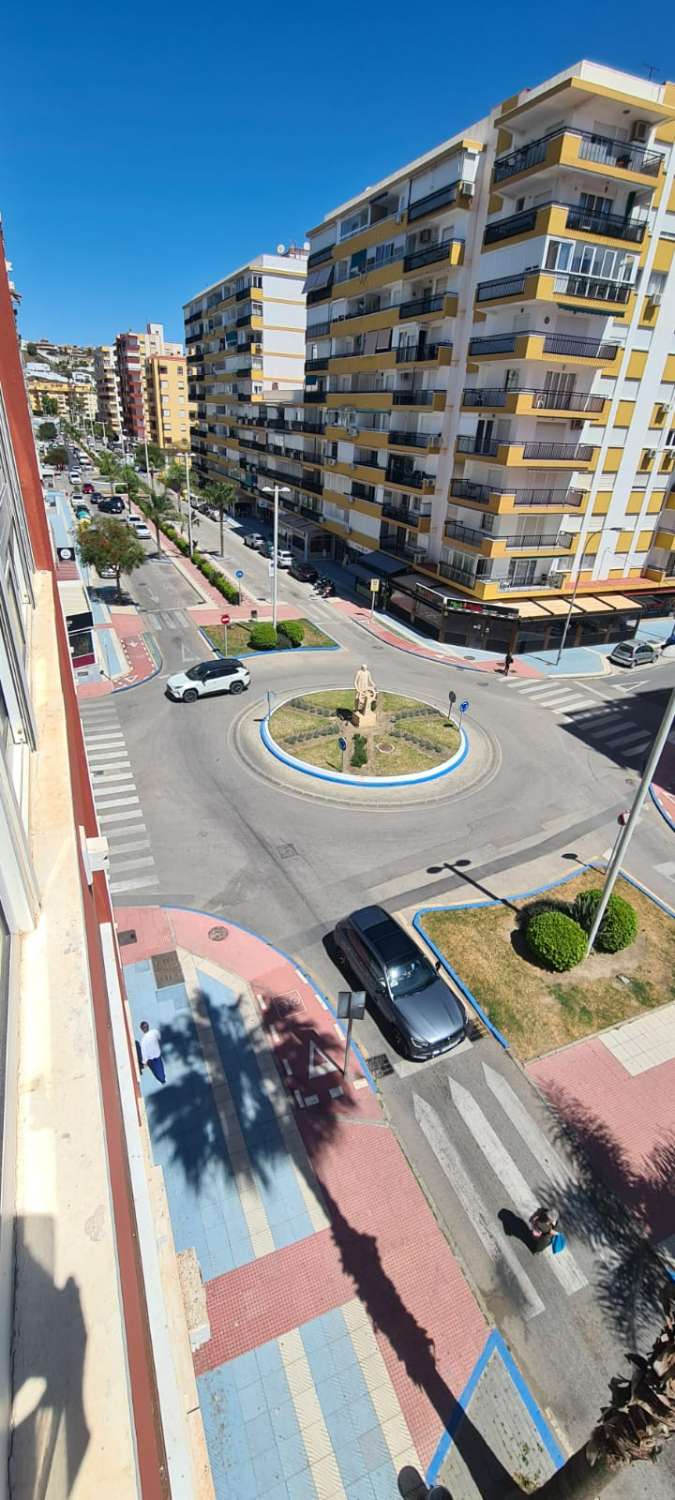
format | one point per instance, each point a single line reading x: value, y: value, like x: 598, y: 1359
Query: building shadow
x: 413, y: 1347
x: 50, y: 1435
x: 620, y: 1211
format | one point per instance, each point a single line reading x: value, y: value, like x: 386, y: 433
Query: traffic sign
x: 225, y: 619
x: 452, y: 697
x: 342, y: 743
x: 374, y: 585
x: 239, y: 573
x: 463, y: 706
x: 271, y: 568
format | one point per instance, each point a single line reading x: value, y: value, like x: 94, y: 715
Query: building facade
x: 168, y: 408
x: 245, y: 340
x: 108, y: 398
x: 134, y: 353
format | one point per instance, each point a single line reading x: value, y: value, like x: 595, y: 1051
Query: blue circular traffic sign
x: 342, y: 743
x: 239, y: 573
x: 463, y: 706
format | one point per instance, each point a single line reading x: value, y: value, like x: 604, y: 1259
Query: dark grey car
x: 404, y: 987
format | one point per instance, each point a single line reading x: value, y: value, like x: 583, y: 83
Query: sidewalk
x: 339, y: 1332
x: 127, y: 654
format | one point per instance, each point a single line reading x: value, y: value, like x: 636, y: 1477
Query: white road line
x: 133, y: 864
x: 131, y: 847
x: 104, y: 742
x: 111, y: 778
x: 114, y: 801
x: 636, y: 740
x: 133, y: 885
x: 564, y: 1268
x: 123, y: 833
x: 112, y: 733
x: 623, y: 736
x: 544, y: 1153
x: 106, y: 817
x: 537, y: 687
x: 99, y: 752
x: 568, y: 708
x: 612, y: 730
x: 555, y: 697
x: 472, y: 1203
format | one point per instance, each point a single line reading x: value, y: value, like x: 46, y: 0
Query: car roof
x: 391, y: 941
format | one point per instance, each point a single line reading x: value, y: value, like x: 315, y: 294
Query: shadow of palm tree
x: 616, y: 1209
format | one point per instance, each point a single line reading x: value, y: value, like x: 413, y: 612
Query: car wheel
x: 190, y: 695
x: 237, y: 687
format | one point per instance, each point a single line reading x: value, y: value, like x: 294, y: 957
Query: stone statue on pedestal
x: 365, y: 699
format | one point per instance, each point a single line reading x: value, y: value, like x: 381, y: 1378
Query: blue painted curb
x: 383, y: 782
x: 129, y: 685
x: 661, y: 809
x: 494, y: 1345
x: 218, y: 917
x: 637, y: 885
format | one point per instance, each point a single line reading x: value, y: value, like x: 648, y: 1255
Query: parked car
x: 140, y: 528
x: 284, y: 558
x: 255, y: 540
x: 97, y: 496
x: 634, y: 654
x: 304, y: 571
x: 82, y: 513
x: 113, y: 506
x: 226, y: 675
x: 404, y: 987
x: 106, y: 572
x: 87, y: 489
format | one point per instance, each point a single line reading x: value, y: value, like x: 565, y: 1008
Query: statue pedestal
x: 366, y: 719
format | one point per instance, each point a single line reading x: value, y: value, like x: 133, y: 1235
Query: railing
x: 318, y: 256
x: 539, y: 540
x: 317, y: 364
x: 410, y: 439
x: 499, y: 343
x: 537, y: 581
x: 408, y: 354
x: 566, y: 401
x: 317, y: 331
x: 413, y: 479
x: 609, y: 224
x: 314, y: 396
x: 480, y: 450
x: 467, y: 489
x: 432, y: 201
x: 403, y: 513
x: 363, y: 492
x: 308, y: 482
x: 562, y: 499
x: 413, y: 398
x: 598, y: 148
x: 577, y: 348
x: 502, y: 286
x: 581, y: 452
x: 471, y: 534
x: 418, y: 258
x: 505, y: 229
x: 394, y: 545
x: 467, y: 576
x: 594, y: 288
x: 416, y: 307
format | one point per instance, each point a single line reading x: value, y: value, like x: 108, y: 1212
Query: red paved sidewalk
x: 127, y: 625
x: 361, y: 615
x: 382, y: 1244
x: 663, y: 785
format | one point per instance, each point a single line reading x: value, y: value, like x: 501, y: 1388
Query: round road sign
x: 225, y: 619
x: 239, y: 573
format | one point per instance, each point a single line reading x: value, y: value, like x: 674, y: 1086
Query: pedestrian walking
x: 542, y: 1226
x: 151, y: 1051
x: 508, y: 663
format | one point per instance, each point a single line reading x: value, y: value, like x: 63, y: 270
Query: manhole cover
x: 166, y: 969
x: 287, y: 851
x: 126, y: 937
x: 380, y: 1066
x: 282, y: 1006
x: 218, y: 934
x: 385, y: 748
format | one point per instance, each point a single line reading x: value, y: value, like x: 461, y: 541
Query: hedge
x: 359, y: 750
x: 556, y: 940
x: 293, y: 630
x: 263, y: 636
x: 619, y: 925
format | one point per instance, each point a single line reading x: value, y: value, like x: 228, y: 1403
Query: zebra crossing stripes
x: 131, y: 863
x: 167, y: 619
x: 603, y: 722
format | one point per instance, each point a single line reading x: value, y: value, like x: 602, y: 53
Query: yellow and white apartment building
x: 168, y: 407
x: 245, y: 341
x: 107, y: 381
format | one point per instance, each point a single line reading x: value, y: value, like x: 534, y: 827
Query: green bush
x: 359, y: 750
x: 293, y: 630
x: 556, y: 940
x: 619, y: 925
x: 263, y: 636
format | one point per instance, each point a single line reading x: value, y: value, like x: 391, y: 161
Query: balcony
x: 478, y: 449
x: 569, y: 147
x: 319, y: 256
x: 538, y: 542
x: 497, y: 343
x: 465, y: 576
x: 444, y: 250
x: 611, y: 226
x: 406, y: 515
x: 592, y: 288
x: 317, y: 331
x: 432, y: 202
x: 317, y: 364
x: 525, y: 399
x: 418, y: 307
x: 508, y: 228
x: 312, y: 396
x: 309, y: 482
x: 500, y: 287
x: 568, y: 346
x: 539, y: 284
x: 578, y: 453
x: 555, y: 217
x: 424, y: 354
x: 474, y: 536
x: 415, y: 396
x: 400, y: 548
x: 486, y: 494
x: 422, y: 440
x: 407, y: 477
x: 534, y: 344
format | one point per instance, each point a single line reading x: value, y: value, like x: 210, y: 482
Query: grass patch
x: 539, y: 1011
x: 238, y: 638
x: 389, y: 752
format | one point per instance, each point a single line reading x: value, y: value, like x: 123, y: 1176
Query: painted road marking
x: 530, y: 1133
x: 132, y: 846
x: 131, y: 885
x: 568, y: 708
x: 511, y: 1178
x: 113, y: 801
x: 134, y: 864
x: 554, y: 697
x: 481, y: 1220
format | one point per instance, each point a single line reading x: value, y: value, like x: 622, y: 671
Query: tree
x: 174, y: 478
x: 221, y: 496
x: 57, y: 455
x: 129, y: 480
x: 160, y: 509
x: 47, y: 431
x: 108, y: 468
x: 31, y: 349
x: 155, y: 456
x: 49, y: 406
x: 110, y: 543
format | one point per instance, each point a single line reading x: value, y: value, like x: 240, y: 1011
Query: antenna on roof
x: 281, y: 249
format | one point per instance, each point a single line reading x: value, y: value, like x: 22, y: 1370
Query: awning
x: 322, y: 276
x: 381, y: 564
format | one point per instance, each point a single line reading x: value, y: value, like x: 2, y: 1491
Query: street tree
x: 161, y: 510
x: 174, y: 478
x: 108, y: 468
x: 49, y: 406
x: 633, y: 1428
x: 47, y: 431
x: 57, y: 455
x: 221, y: 496
x: 155, y: 456
x: 31, y: 349
x: 108, y: 542
x: 129, y: 481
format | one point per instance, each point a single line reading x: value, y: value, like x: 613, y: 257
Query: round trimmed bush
x: 556, y: 940
x: 263, y: 636
x: 293, y: 630
x: 618, y: 928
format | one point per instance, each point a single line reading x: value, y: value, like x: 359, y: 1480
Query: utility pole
x: 188, y: 497
x: 619, y: 852
x: 276, y: 491
x: 568, y: 619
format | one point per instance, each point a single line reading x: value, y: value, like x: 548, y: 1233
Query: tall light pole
x: 276, y: 490
x: 568, y: 619
x: 188, y: 497
x: 148, y: 475
x: 619, y: 851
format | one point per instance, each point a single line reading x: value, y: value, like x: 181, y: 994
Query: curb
x: 666, y: 816
x: 142, y: 680
x: 371, y: 782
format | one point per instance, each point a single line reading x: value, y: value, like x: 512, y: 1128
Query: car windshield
x: 408, y: 978
x: 194, y: 671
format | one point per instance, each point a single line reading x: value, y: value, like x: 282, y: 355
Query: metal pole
x: 275, y: 547
x: 147, y: 466
x: 189, y: 506
x: 566, y: 626
x: 618, y: 854
x: 347, y: 1041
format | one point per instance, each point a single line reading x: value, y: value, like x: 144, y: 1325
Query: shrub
x: 293, y: 630
x: 359, y: 750
x: 263, y: 636
x: 619, y: 925
x: 556, y: 940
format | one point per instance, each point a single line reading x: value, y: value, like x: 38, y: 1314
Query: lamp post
x: 188, y: 497
x: 276, y: 490
x: 573, y: 599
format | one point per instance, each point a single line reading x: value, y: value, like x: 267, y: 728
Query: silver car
x: 634, y: 654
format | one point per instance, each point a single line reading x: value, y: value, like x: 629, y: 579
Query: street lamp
x: 276, y: 490
x: 568, y: 620
x: 188, y: 497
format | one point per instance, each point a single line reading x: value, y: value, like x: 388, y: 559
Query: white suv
x: 226, y: 675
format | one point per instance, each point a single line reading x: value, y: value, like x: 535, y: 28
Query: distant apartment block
x: 108, y: 388
x: 168, y: 409
x: 147, y: 407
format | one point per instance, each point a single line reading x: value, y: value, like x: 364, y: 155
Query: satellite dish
x: 281, y: 249
x: 306, y: 245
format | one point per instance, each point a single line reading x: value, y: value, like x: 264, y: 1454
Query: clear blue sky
x: 148, y: 149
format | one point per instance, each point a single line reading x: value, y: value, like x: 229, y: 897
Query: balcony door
x: 558, y: 389
x: 522, y: 571
x: 484, y: 435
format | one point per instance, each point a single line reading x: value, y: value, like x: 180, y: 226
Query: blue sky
x: 148, y: 149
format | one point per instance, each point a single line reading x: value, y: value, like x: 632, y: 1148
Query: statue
x: 365, y: 698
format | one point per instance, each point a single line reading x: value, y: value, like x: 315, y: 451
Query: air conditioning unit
x: 655, y: 298
x: 639, y: 131
x: 466, y: 189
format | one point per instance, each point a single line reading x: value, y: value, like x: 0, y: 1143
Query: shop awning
x: 319, y: 278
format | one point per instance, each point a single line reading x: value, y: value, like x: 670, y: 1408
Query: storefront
x: 79, y: 623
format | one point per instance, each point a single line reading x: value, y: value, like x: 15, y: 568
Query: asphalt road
x: 229, y: 837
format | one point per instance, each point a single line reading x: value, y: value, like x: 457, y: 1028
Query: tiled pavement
x: 341, y: 1327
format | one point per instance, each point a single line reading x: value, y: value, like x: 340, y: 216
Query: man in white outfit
x: 151, y: 1052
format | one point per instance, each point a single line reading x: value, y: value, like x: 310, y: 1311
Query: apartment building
x: 168, y: 409
x: 245, y: 340
x: 108, y: 394
x: 54, y: 386
x: 491, y: 368
x: 133, y: 354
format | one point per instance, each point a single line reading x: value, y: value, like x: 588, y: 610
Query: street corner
x: 309, y: 1046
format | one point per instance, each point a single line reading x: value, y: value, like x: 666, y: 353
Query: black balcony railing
x: 491, y: 396
x: 593, y: 288
x: 413, y: 397
x: 317, y: 364
x: 482, y: 449
x: 409, y: 439
x: 363, y: 491
x: 416, y: 307
x: 409, y: 515
x: 538, y: 541
x: 573, y: 452
x: 592, y: 147
x: 542, y: 399
x: 467, y: 489
x: 506, y: 229
x: 314, y: 396
x: 502, y: 286
x: 432, y: 202
x: 467, y: 576
x: 565, y: 499
x: 611, y: 225
x: 412, y: 354
x: 498, y: 343
x: 471, y: 534
x: 310, y: 482
x: 427, y: 257
x: 317, y: 331
x: 579, y: 348
x: 413, y: 479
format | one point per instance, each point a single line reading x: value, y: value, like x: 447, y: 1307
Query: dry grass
x: 539, y: 1011
x: 397, y: 758
x: 238, y: 638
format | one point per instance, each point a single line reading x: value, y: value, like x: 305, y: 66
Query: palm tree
x: 108, y: 468
x: 160, y: 509
x: 221, y: 496
x: 129, y: 478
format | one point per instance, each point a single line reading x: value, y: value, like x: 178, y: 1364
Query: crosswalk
x: 606, y: 723
x: 454, y: 1136
x: 167, y: 619
x: 132, y: 867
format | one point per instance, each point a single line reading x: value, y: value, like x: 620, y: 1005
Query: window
x: 590, y: 260
x: 656, y: 285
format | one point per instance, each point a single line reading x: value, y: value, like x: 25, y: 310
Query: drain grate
x: 380, y: 1065
x: 218, y: 934
x: 166, y: 969
x: 126, y: 937
x: 287, y: 851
